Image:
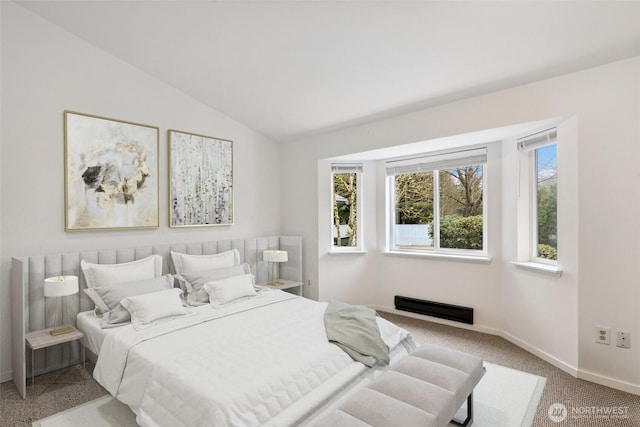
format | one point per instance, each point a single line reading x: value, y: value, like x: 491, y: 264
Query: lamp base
x: 62, y: 331
x: 275, y: 283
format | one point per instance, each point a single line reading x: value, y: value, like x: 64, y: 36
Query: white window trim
x: 432, y: 162
x: 349, y: 251
x: 408, y: 253
x: 357, y: 168
x: 539, y: 267
x: 527, y: 204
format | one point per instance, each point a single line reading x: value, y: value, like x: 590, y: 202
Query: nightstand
x: 285, y: 284
x: 43, y: 339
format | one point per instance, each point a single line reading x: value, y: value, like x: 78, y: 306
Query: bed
x: 260, y: 360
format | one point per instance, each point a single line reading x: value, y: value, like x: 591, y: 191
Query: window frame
x: 528, y: 147
x: 534, y: 210
x: 436, y: 250
x: 358, y: 169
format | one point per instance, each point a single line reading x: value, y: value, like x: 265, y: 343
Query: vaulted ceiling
x: 297, y: 68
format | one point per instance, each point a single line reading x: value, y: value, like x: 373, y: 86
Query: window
x: 437, y: 203
x: 540, y: 157
x: 346, y: 194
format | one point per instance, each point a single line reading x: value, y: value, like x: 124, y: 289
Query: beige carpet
x: 504, y: 398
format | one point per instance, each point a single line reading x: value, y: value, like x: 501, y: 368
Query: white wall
x: 553, y: 317
x: 354, y: 274
x: 45, y: 71
x: 453, y: 282
x: 540, y: 311
x: 5, y: 315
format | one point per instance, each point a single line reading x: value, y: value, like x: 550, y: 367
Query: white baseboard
x: 571, y: 370
x: 563, y: 366
x: 609, y: 382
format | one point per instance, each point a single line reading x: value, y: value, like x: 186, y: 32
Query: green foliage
x: 547, y: 252
x: 343, y: 212
x: 548, y: 215
x: 458, y: 232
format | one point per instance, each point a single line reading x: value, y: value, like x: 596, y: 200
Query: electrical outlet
x: 602, y: 335
x: 623, y: 339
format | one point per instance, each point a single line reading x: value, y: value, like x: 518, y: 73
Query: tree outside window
x: 345, y: 209
x: 461, y: 201
x: 546, y: 159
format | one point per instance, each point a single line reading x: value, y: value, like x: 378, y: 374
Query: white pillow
x: 107, y: 274
x: 224, y: 291
x: 147, y: 308
x: 193, y: 283
x: 107, y: 298
x: 185, y: 263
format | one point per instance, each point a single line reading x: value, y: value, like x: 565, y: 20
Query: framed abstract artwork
x: 111, y: 173
x: 200, y: 180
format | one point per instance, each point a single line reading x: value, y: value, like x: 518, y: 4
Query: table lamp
x: 61, y: 287
x: 274, y: 257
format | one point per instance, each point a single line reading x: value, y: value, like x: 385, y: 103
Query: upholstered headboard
x: 31, y: 311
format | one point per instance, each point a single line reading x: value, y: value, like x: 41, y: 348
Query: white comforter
x: 263, y: 361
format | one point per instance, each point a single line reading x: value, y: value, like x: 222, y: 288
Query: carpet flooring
x: 50, y: 396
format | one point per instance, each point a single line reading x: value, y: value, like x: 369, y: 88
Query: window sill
x: 537, y: 267
x: 348, y: 252
x: 445, y: 257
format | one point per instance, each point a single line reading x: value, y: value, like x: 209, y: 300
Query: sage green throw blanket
x: 355, y: 330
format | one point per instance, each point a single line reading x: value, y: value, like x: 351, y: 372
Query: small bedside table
x: 43, y: 339
x: 285, y: 284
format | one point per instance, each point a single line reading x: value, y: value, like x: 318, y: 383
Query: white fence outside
x: 344, y: 230
x: 412, y: 235
x: 405, y: 234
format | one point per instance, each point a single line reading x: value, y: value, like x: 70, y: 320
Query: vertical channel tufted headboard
x: 30, y: 310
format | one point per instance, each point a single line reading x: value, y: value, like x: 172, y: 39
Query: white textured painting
x: 201, y: 180
x: 111, y: 173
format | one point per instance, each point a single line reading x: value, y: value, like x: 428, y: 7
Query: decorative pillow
x: 108, y: 274
x: 227, y: 290
x: 185, y: 263
x: 107, y: 298
x: 193, y: 283
x: 146, y: 309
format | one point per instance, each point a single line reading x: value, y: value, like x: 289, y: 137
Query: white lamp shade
x: 275, y: 256
x: 60, y: 286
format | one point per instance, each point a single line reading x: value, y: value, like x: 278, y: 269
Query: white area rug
x: 504, y: 398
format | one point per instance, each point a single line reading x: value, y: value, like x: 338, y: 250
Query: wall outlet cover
x: 603, y: 334
x: 623, y: 339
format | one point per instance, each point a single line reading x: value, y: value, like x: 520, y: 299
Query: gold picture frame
x: 200, y: 180
x: 111, y: 173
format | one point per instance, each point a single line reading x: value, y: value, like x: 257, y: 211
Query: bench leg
x: 469, y: 420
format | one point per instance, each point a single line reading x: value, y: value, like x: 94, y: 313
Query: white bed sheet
x: 94, y: 334
x: 272, y: 366
x: 90, y: 325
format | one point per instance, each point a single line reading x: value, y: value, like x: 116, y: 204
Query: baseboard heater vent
x: 435, y: 309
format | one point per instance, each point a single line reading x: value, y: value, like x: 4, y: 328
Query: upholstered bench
x: 425, y: 389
